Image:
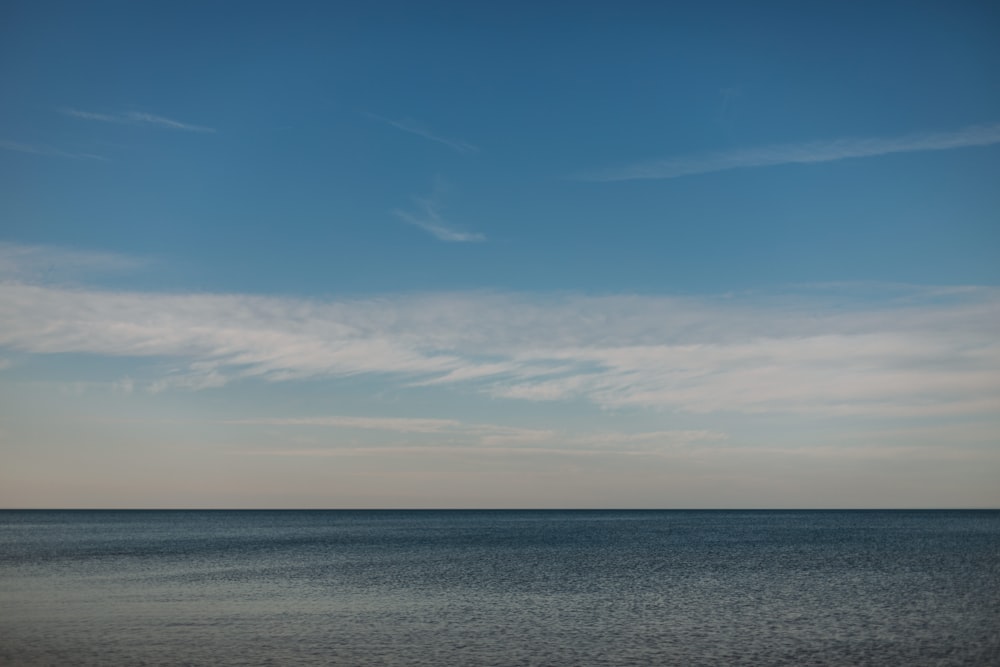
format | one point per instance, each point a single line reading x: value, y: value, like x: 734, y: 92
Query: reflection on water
x: 499, y: 588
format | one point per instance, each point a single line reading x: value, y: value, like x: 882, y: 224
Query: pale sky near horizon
x: 444, y: 254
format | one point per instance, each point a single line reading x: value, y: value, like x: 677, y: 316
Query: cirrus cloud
x: 897, y: 352
x: 802, y: 153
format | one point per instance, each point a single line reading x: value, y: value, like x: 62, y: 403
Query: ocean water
x: 499, y: 588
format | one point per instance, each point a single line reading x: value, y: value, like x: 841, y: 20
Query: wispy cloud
x: 136, y: 118
x: 677, y: 450
x: 45, y: 150
x: 40, y: 263
x: 394, y: 424
x: 449, y: 434
x: 426, y: 214
x: 428, y: 219
x: 909, y: 353
x: 803, y: 153
x: 414, y: 127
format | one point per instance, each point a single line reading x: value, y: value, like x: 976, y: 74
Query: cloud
x: 430, y: 221
x: 890, y: 352
x: 413, y: 127
x: 804, y: 153
x: 123, y: 385
x: 37, y: 263
x: 45, y: 150
x: 396, y: 424
x: 676, y: 453
x: 451, y: 434
x: 136, y: 118
x: 427, y: 217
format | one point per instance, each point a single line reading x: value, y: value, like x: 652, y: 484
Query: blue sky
x: 468, y: 255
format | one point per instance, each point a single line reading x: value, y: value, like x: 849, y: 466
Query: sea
x: 575, y: 588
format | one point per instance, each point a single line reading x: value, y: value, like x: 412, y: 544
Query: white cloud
x: 450, y: 434
x: 414, y: 127
x: 832, y: 373
x: 123, y: 385
x: 429, y: 221
x: 427, y: 217
x: 396, y: 424
x: 712, y: 456
x: 136, y: 118
x: 903, y: 352
x: 38, y: 263
x: 35, y: 149
x: 804, y: 153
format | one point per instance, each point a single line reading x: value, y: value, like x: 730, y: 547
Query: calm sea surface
x: 499, y: 588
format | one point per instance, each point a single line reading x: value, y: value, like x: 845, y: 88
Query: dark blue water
x: 499, y: 588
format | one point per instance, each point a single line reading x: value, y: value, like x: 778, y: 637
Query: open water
x: 473, y: 588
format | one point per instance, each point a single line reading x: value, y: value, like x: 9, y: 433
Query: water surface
x: 499, y: 588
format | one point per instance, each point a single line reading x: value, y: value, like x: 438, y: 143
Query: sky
x: 499, y: 255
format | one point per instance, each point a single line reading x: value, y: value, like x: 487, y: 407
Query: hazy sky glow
x: 439, y: 255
